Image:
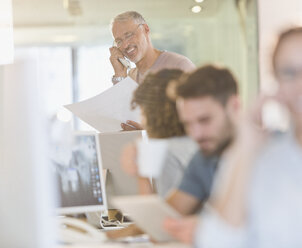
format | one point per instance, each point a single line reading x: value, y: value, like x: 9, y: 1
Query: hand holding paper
x: 106, y: 111
x: 131, y: 125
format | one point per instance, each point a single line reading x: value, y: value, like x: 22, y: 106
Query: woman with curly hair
x: 160, y: 120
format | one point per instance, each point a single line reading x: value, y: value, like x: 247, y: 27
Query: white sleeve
x: 214, y: 232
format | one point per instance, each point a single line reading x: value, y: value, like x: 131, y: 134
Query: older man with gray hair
x: 132, y: 40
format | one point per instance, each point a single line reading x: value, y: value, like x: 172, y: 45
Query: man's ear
x: 234, y: 105
x: 146, y: 28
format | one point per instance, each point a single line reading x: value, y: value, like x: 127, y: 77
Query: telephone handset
x: 125, y: 62
x: 73, y: 230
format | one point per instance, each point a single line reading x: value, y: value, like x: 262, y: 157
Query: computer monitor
x: 118, y: 183
x: 79, y: 176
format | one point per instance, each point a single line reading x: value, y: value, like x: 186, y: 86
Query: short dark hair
x: 160, y: 112
x: 282, y: 37
x: 209, y: 80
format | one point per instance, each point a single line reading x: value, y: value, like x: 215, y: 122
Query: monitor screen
x: 78, y: 173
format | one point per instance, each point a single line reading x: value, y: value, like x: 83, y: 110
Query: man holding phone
x: 132, y: 40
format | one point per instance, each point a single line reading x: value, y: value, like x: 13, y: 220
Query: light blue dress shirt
x: 274, y: 204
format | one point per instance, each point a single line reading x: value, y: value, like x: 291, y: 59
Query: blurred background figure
x: 160, y: 119
x: 208, y: 105
x: 257, y: 199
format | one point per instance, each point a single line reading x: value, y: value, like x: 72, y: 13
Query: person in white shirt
x: 257, y: 199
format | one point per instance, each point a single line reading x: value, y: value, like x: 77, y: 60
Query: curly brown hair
x: 159, y: 111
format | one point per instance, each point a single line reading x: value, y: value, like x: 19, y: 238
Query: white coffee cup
x: 151, y: 154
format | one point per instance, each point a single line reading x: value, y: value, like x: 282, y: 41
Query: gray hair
x: 129, y: 15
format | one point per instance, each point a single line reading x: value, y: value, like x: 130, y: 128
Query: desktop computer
x: 88, y: 172
x: 79, y: 176
x: 80, y: 186
x: 118, y: 182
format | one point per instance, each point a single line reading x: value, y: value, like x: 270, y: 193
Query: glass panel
x: 224, y: 32
x: 95, y: 70
x: 6, y: 32
x: 55, y: 78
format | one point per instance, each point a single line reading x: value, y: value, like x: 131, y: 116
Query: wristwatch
x: 117, y: 79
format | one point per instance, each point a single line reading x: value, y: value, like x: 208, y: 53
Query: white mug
x: 151, y: 155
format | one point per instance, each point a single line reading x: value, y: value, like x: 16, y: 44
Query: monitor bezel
x: 88, y: 208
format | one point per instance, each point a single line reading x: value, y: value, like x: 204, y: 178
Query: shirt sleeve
x: 170, y: 175
x: 214, y: 232
x: 191, y: 182
x: 186, y: 65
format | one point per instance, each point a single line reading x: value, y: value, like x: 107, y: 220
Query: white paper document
x: 106, y: 111
x: 148, y: 212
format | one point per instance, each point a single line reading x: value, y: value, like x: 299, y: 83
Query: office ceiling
x: 40, y: 13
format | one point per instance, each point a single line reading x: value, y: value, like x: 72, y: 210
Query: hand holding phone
x: 125, y: 62
x: 115, y: 58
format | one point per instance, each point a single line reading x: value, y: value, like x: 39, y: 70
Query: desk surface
x: 121, y: 245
